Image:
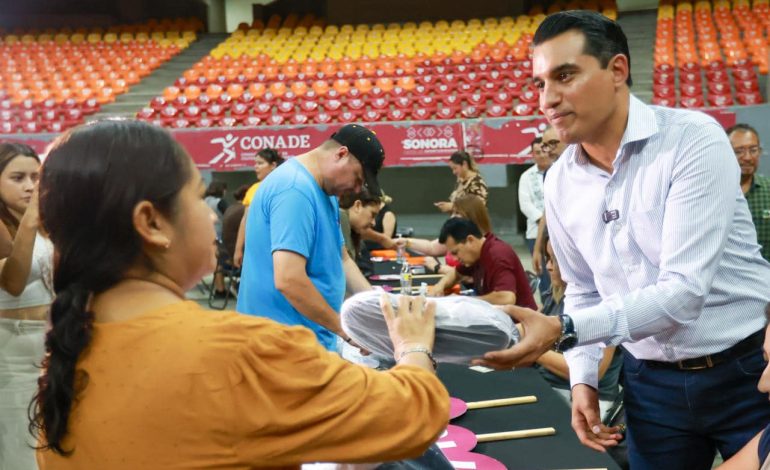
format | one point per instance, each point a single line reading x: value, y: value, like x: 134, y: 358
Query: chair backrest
x: 225, y: 260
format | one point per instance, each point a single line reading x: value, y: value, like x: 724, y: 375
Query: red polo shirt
x: 499, y: 269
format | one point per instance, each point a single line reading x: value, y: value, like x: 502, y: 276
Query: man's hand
x: 587, y: 422
x: 431, y: 263
x: 541, y: 333
x: 443, y: 206
x: 349, y: 340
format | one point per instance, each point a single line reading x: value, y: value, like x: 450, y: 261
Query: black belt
x: 751, y: 343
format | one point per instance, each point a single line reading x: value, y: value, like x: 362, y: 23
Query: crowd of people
x: 649, y: 231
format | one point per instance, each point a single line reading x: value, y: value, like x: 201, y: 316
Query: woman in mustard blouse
x: 138, y: 378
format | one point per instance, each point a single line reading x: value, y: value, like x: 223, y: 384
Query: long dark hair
x: 461, y: 156
x: 9, y: 151
x: 91, y: 181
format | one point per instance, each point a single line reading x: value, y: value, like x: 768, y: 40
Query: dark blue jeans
x: 678, y: 419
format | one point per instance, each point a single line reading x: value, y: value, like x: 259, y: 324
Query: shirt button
x: 617, y: 226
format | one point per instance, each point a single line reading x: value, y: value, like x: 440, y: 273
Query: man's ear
x: 151, y: 225
x: 620, y: 69
x: 341, y: 153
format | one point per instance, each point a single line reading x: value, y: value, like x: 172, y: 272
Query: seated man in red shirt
x: 498, y: 276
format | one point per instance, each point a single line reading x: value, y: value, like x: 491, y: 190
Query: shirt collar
x: 641, y: 125
x: 486, y: 246
x: 759, y: 181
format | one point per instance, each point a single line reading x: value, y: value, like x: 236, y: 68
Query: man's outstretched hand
x: 540, y: 334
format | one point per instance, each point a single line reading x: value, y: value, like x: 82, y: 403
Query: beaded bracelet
x: 426, y: 351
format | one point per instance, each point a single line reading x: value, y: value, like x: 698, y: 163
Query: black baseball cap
x: 365, y: 146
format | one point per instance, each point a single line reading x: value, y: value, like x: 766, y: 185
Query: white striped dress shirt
x: 679, y: 273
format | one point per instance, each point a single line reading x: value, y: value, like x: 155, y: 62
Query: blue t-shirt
x: 763, y: 449
x: 291, y: 212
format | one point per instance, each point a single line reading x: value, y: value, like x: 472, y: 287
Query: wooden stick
x: 597, y: 468
x: 500, y: 436
x: 475, y: 405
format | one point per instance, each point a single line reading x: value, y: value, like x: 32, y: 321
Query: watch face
x: 567, y: 342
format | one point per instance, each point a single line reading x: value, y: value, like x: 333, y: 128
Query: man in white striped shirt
x: 657, y: 246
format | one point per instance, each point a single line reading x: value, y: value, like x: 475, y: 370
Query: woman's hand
x: 31, y: 218
x: 436, y: 290
x: 390, y: 243
x: 443, y: 206
x: 413, y: 325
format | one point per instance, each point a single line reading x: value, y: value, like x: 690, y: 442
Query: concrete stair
x: 639, y: 27
x: 138, y: 96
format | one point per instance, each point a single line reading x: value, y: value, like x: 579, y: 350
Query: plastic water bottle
x: 406, y: 279
x: 400, y: 251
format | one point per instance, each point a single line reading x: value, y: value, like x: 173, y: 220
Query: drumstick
x: 475, y: 405
x: 500, y: 436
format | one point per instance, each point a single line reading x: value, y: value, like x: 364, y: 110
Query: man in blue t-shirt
x: 295, y: 267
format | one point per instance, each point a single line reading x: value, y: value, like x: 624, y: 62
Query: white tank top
x: 39, y: 289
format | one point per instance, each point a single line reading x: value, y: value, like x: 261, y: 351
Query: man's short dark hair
x: 742, y: 127
x: 535, y: 141
x: 604, y: 38
x: 459, y: 229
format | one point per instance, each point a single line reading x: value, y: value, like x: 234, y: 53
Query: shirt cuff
x: 583, y: 365
x: 593, y: 324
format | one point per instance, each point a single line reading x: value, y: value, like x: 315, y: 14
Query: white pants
x: 22, y: 346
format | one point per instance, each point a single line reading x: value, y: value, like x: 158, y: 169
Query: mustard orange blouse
x: 183, y: 387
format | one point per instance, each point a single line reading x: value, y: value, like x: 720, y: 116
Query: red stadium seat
x: 322, y: 118
x: 371, y: 115
x: 397, y: 114
x: 447, y: 112
x: 720, y: 100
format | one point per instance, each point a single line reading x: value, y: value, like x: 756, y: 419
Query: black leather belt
x: 751, y: 343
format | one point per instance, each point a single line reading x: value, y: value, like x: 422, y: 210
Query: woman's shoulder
x: 216, y: 338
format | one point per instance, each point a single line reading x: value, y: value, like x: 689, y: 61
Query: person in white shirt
x: 531, y: 201
x: 659, y: 252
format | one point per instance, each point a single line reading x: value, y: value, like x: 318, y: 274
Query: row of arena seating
x: 709, y: 55
x: 300, y: 72
x: 49, y: 84
x: 151, y: 26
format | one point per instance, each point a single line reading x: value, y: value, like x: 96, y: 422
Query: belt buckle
x: 709, y: 364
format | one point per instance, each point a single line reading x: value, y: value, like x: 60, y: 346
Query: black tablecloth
x: 560, y: 451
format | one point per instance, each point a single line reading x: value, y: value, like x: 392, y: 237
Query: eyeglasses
x: 754, y: 151
x: 550, y: 144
